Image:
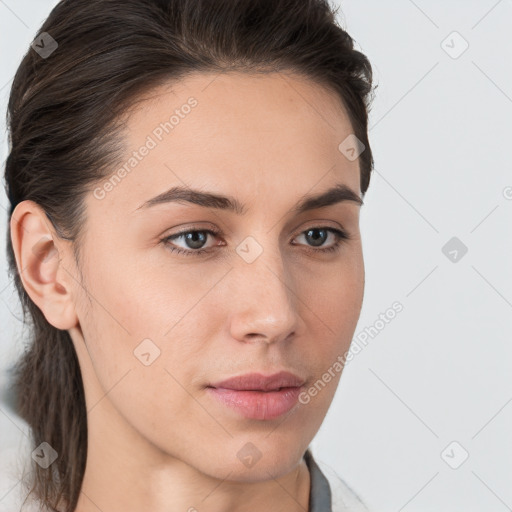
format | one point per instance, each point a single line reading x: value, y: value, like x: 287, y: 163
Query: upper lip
x: 260, y: 382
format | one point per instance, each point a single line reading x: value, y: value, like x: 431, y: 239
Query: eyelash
x: 341, y: 236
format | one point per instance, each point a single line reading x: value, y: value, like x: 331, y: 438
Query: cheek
x: 141, y: 312
x: 156, y: 402
x: 335, y: 293
x: 142, y: 375
x: 333, y: 304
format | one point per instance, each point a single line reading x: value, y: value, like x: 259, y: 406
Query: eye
x: 318, y: 235
x: 196, y: 239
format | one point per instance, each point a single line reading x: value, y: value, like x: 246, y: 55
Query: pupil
x: 317, y: 240
x: 190, y: 237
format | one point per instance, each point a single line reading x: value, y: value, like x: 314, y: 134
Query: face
x: 182, y: 295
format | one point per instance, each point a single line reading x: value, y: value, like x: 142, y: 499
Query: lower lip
x: 258, y: 405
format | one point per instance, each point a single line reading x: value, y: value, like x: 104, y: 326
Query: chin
x: 255, y: 461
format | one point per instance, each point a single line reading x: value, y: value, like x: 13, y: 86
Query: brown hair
x: 65, y: 134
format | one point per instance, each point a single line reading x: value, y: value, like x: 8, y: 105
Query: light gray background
x: 439, y: 372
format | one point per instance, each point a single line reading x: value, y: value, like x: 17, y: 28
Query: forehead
x: 238, y: 133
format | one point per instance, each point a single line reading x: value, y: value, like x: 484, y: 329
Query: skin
x: 155, y: 436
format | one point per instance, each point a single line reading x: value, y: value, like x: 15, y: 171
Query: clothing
x: 328, y: 492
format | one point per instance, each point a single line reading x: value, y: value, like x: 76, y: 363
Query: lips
x: 256, y: 396
x: 260, y: 382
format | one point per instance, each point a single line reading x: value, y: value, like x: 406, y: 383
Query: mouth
x: 256, y: 389
x: 258, y: 397
x: 258, y: 405
x: 260, y: 382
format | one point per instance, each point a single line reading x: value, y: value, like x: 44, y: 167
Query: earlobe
x: 40, y: 254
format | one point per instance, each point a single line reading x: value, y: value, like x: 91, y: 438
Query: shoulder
x: 15, y: 476
x: 12, y: 474
x: 344, y: 498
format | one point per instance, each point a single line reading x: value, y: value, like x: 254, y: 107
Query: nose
x: 264, y: 307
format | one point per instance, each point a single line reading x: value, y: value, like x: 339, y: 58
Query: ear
x: 41, y: 257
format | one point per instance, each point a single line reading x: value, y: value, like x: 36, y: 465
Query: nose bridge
x: 265, y: 299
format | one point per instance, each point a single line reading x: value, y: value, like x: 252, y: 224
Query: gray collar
x: 320, y: 490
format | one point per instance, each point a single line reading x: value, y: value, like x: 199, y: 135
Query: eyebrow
x: 337, y: 194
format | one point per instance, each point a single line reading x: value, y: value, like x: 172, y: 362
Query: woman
x: 185, y: 180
